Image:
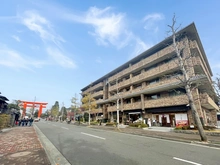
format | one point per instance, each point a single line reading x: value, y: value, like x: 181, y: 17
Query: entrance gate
x: 26, y: 104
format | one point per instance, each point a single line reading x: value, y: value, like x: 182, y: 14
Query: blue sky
x: 52, y: 49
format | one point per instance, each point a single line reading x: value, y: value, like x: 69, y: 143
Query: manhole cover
x: 20, y: 154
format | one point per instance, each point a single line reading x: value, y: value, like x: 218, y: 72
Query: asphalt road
x: 81, y: 145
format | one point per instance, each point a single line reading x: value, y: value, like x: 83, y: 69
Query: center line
x: 186, y: 161
x: 93, y: 135
x: 64, y: 128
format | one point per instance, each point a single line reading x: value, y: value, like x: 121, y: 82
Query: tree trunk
x: 186, y: 81
x: 195, y: 115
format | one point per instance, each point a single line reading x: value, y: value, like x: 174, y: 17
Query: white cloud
x: 16, y: 38
x: 98, y: 60
x: 60, y: 58
x: 109, y: 27
x: 140, y: 46
x: 13, y: 59
x: 150, y: 21
x: 40, y: 25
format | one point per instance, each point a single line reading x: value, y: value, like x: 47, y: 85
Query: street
x: 81, y: 145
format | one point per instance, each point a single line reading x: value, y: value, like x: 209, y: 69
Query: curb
x: 169, y: 138
x: 54, y: 156
x: 5, y: 130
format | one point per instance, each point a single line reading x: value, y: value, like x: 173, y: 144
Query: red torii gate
x: 26, y: 104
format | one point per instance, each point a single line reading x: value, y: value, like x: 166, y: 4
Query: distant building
x: 3, y: 104
x: 147, y: 88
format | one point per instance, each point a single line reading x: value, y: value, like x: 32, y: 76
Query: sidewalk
x: 21, y: 146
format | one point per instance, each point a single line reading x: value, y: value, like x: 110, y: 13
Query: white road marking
x: 54, y: 125
x: 64, y: 128
x: 187, y: 161
x: 93, y: 135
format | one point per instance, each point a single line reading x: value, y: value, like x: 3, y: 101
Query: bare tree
x: 188, y: 78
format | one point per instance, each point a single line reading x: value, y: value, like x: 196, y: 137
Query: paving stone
x: 21, y: 146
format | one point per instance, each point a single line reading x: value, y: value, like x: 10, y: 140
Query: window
x: 154, y: 81
x: 155, y: 96
x: 176, y: 92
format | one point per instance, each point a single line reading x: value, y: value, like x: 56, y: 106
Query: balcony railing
x: 145, y: 75
x: 98, y: 110
x: 197, y: 61
x: 99, y: 93
x: 99, y: 101
x: 150, y: 86
x: 101, y: 84
x: 143, y: 62
x: 162, y: 102
x: 132, y: 106
x: 207, y: 102
x: 166, y: 101
x: 194, y: 45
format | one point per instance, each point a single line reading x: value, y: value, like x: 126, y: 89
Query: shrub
x: 143, y: 125
x: 178, y: 128
x: 94, y: 123
x: 185, y: 127
x: 110, y: 124
x: 4, y: 120
x: 138, y: 124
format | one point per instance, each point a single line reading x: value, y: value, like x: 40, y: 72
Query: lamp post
x: 118, y: 97
x: 118, y: 113
x: 89, y: 112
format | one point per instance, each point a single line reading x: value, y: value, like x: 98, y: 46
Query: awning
x: 168, y: 109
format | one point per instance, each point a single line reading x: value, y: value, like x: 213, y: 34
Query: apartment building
x: 148, y: 87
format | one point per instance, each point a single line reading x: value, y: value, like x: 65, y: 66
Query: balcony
x: 166, y: 101
x: 132, y: 106
x: 207, y: 102
x: 99, y: 101
x: 144, y: 62
x: 98, y: 110
x: 96, y: 94
x: 197, y: 62
x: 113, y: 108
x: 97, y: 86
x: 172, y: 65
x: 194, y: 46
x: 165, y: 84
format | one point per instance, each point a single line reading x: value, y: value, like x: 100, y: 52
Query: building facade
x: 149, y: 86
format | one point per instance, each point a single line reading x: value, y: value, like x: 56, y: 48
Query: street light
x: 118, y: 97
x: 118, y: 113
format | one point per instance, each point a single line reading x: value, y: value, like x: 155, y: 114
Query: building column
x: 197, y: 102
x: 142, y: 102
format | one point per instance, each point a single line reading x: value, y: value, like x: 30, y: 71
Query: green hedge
x: 94, y: 123
x: 138, y: 124
x: 4, y: 120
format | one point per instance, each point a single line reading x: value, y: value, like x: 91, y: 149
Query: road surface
x: 81, y: 145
